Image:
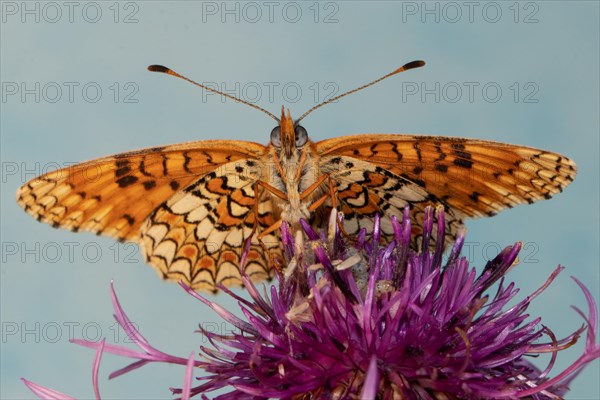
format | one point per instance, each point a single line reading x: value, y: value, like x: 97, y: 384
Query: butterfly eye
x: 276, y: 137
x: 301, y: 136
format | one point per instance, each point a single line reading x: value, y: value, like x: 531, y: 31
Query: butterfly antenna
x: 405, y: 67
x: 169, y: 71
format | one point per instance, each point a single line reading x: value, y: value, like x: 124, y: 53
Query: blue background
x: 549, y: 50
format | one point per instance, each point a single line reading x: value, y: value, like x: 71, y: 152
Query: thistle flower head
x: 358, y: 319
x: 367, y: 320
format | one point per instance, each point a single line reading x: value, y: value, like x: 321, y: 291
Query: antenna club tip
x: 413, y: 64
x: 159, y: 68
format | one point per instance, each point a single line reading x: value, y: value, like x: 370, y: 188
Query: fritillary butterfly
x: 192, y: 206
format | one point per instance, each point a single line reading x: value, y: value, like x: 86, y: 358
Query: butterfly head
x: 288, y: 136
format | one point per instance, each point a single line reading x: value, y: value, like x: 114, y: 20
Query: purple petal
x: 96, y: 368
x: 371, y: 384
x: 187, y: 382
x: 45, y: 393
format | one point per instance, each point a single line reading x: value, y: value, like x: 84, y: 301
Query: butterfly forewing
x: 471, y: 178
x: 113, y: 195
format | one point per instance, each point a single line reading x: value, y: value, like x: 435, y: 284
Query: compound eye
x: 276, y: 137
x: 301, y: 136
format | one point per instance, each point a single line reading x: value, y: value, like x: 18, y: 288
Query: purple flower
x: 371, y: 321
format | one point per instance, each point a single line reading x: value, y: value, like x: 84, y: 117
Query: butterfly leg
x: 331, y: 194
x: 307, y: 192
x: 318, y: 203
x: 271, y: 228
x: 300, y: 164
x: 273, y: 190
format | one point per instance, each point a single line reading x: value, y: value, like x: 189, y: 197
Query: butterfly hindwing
x: 198, y: 235
x: 364, y: 189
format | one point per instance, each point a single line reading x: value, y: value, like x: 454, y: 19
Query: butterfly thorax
x: 292, y: 176
x: 291, y: 172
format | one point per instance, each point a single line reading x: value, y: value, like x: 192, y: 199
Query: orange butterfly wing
x: 472, y: 178
x: 198, y: 235
x: 114, y: 195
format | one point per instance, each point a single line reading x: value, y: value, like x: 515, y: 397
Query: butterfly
x: 191, y: 207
